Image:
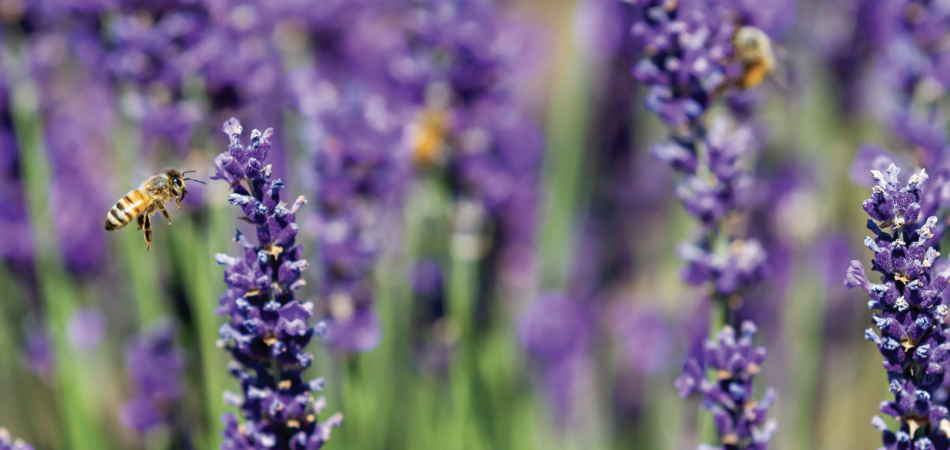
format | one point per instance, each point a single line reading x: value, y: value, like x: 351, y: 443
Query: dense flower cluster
x: 740, y: 421
x: 155, y: 365
x: 687, y: 48
x: 7, y: 443
x: 556, y: 330
x: 912, y: 336
x: 268, y: 329
x: 710, y: 191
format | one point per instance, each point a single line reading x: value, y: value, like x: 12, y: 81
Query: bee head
x: 175, y: 178
x: 750, y: 42
x: 178, y: 179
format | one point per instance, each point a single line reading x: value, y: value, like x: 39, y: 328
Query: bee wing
x: 779, y: 73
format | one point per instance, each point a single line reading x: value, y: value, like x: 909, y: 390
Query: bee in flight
x: 140, y: 203
x: 754, y: 50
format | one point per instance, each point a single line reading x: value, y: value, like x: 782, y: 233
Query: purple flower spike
x: 911, y: 332
x: 86, y: 328
x: 8, y: 443
x: 741, y: 422
x: 268, y: 330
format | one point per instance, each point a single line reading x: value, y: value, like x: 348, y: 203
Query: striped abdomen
x: 128, y: 208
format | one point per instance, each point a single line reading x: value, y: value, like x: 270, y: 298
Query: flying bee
x: 140, y: 203
x: 753, y: 49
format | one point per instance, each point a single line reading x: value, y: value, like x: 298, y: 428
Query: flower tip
x: 320, y: 329
x: 232, y: 127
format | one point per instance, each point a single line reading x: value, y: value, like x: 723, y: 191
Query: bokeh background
x: 516, y: 238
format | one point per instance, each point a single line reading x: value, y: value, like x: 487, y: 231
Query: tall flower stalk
x: 690, y: 63
x: 684, y: 79
x: 268, y: 329
x: 911, y: 332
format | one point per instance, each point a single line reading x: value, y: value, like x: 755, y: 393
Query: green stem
x: 718, y: 310
x: 564, y: 162
x: 194, y: 253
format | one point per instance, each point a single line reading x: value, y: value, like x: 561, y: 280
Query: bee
x: 428, y: 138
x: 140, y: 203
x: 753, y: 50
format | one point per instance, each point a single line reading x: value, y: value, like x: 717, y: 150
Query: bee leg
x: 148, y: 231
x: 161, y: 206
x: 179, y: 199
x: 141, y: 221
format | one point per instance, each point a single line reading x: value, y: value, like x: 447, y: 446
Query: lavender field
x: 474, y: 224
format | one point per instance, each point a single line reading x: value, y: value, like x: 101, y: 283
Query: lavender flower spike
x: 6, y: 442
x: 911, y: 333
x: 740, y: 421
x: 269, y: 329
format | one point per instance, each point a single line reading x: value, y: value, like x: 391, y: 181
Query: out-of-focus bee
x: 428, y: 138
x: 140, y: 203
x: 753, y: 49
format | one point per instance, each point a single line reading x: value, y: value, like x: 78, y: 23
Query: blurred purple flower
x: 554, y: 326
x: 601, y: 26
x: 774, y: 17
x: 268, y: 329
x: 557, y: 331
x: 743, y: 266
x: 426, y: 277
x: 16, y: 241
x: 870, y: 157
x: 78, y: 140
x: 359, y: 154
x: 913, y: 336
x: 85, y: 329
x: 38, y: 353
x: 7, y: 443
x: 741, y: 422
x: 155, y: 366
x: 646, y: 336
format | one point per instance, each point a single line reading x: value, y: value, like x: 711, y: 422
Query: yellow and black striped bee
x: 142, y: 202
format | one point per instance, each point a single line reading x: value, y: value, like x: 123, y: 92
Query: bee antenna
x: 188, y: 171
x: 196, y: 181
